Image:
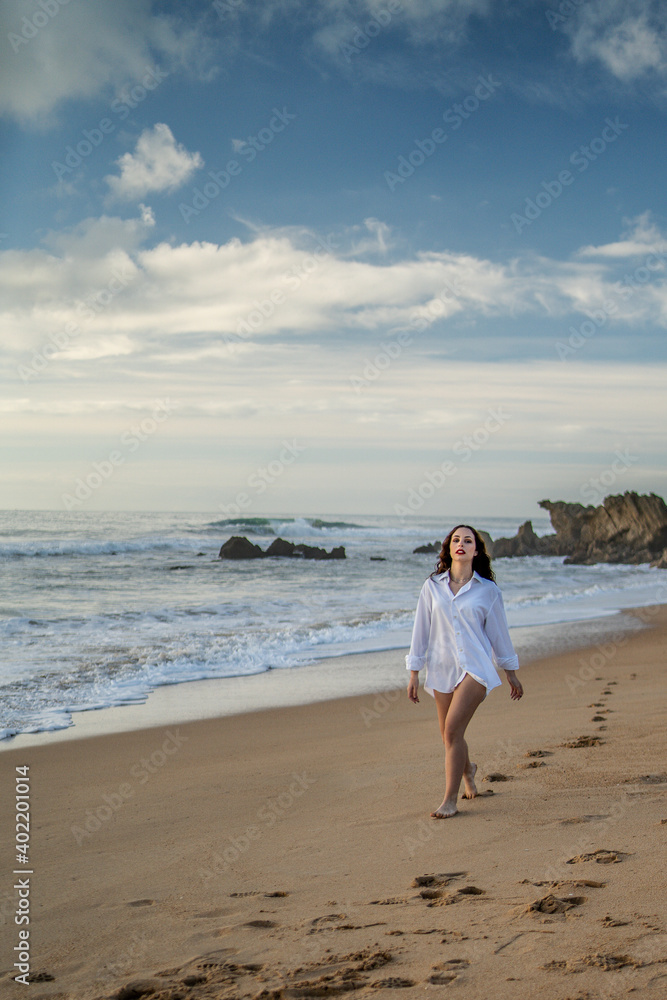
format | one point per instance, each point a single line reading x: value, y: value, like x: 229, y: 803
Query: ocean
x: 97, y: 609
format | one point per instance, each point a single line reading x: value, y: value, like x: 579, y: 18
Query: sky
x: 395, y: 257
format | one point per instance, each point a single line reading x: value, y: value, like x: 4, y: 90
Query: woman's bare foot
x: 469, y: 781
x: 444, y: 811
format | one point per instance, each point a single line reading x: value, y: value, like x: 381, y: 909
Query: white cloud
x: 158, y: 163
x: 85, y: 49
x: 629, y: 37
x: 284, y: 285
x: 643, y: 238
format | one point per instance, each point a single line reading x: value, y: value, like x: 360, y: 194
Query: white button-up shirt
x: 460, y: 634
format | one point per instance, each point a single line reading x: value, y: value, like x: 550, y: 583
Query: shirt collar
x: 444, y: 578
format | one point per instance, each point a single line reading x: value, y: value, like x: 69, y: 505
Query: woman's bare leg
x: 443, y: 702
x: 455, y: 710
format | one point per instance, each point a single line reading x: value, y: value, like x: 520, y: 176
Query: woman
x: 460, y: 627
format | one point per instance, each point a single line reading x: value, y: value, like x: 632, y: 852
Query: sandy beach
x: 289, y: 852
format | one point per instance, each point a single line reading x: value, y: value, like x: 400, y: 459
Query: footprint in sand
x: 441, y: 978
x: 142, y: 902
x: 575, y: 883
x: 498, y: 776
x: 328, y: 922
x: 337, y: 974
x: 583, y: 741
x: 611, y: 922
x: 455, y: 897
x: 601, y: 857
x: 598, y: 718
x: 439, y: 879
x: 532, y: 763
x: 446, y: 972
x: 555, y: 904
x: 211, y: 974
x: 610, y: 963
x: 393, y: 983
x: 539, y: 753
x: 260, y: 923
x: 193, y: 980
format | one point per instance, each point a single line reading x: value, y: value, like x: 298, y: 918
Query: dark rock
x: 524, y: 543
x: 488, y: 542
x: 313, y: 552
x: 429, y: 547
x: 280, y: 547
x: 628, y: 528
x: 238, y: 547
x: 378, y: 559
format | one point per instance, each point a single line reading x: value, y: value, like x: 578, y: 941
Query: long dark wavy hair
x: 481, y: 563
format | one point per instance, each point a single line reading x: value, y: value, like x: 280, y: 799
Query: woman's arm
x: 421, y: 632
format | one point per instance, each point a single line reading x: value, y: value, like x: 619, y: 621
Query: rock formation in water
x: 429, y: 547
x: 628, y: 528
x: 238, y: 547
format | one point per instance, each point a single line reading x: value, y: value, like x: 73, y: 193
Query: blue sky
x: 373, y: 231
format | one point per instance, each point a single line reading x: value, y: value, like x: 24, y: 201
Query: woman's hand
x: 413, y: 687
x: 516, y: 687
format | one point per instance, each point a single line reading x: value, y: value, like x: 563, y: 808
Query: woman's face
x: 462, y: 547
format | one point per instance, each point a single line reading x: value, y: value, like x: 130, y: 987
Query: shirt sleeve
x: 416, y: 658
x: 498, y: 632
